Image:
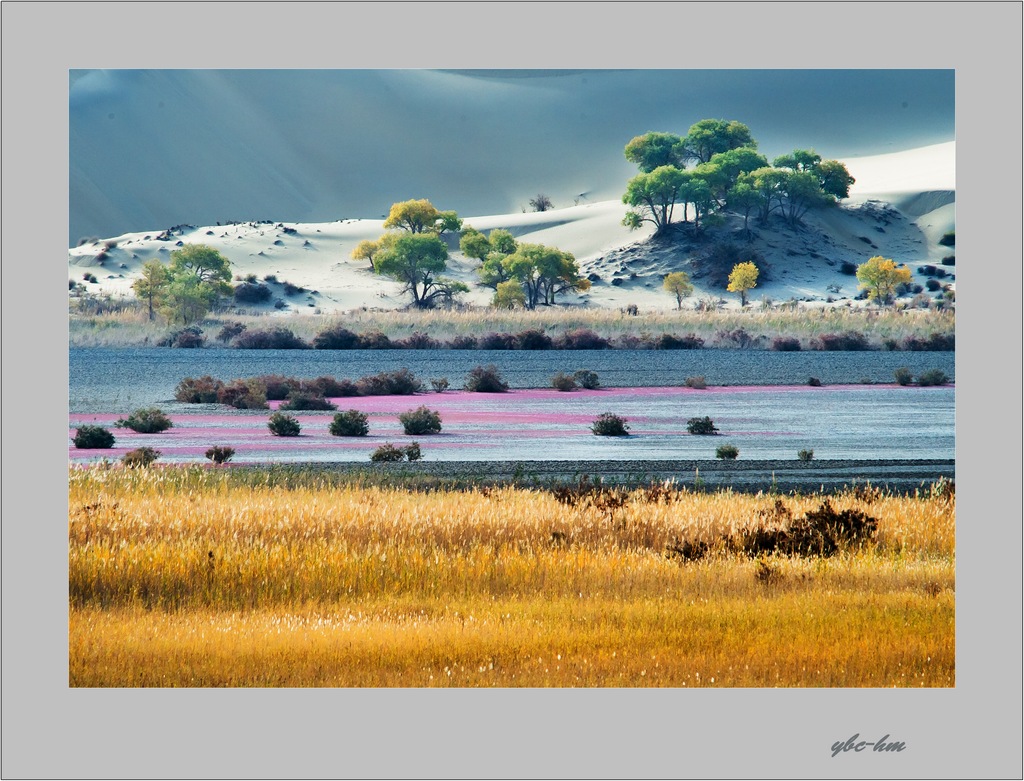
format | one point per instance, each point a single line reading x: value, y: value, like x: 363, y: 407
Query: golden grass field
x: 190, y: 576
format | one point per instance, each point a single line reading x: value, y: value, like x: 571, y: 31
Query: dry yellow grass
x: 186, y: 577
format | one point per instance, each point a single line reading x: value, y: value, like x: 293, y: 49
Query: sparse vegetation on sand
x: 209, y: 577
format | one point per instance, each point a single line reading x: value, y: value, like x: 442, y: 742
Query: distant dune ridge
x: 326, y: 153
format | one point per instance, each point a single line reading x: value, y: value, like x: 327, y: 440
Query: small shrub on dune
x: 463, y: 343
x: 336, y: 338
x: 805, y: 455
x: 282, y: 425
x: 229, y: 331
x: 581, y: 339
x: 198, y: 390
x: 948, y: 239
x: 701, y: 426
x: 420, y: 421
x: 563, y: 382
x: 307, y: 401
x: 610, y: 425
x: 727, y: 452
x: 350, y: 424
x: 848, y: 268
x: 673, y: 342
x: 932, y: 377
x: 279, y: 338
x: 91, y: 437
x: 587, y: 379
x: 440, y: 385
x: 949, y: 260
x: 698, y: 383
x: 387, y: 453
x: 220, y: 454
x: 485, y: 379
x: 533, y: 339
x: 140, y: 457
x: 495, y: 341
x: 252, y: 293
x: 291, y: 289
x: 418, y: 341
x: 243, y: 394
x: 145, y: 421
x: 785, y: 344
x: 903, y: 376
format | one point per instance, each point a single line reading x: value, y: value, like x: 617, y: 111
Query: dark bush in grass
x: 89, y: 437
x: 229, y: 331
x: 279, y: 338
x: 250, y: 293
x: 413, y: 452
x: 89, y: 277
x: 903, y: 376
x: 375, y: 340
x: 440, y: 385
x: 533, y: 339
x: 933, y: 285
x: 934, y: 342
x: 587, y: 379
x: 397, y: 383
x: 485, y: 379
x: 140, y: 457
x: 849, y: 341
x: 387, y: 453
x: 610, y: 425
x: 186, y: 339
x: 418, y: 341
x: 352, y: 423
x: 698, y: 383
x: 948, y: 239
x: 495, y: 341
x: 282, y: 425
x: 848, y: 268
x: 220, y: 454
x: 420, y: 421
x: 337, y: 338
x: 145, y: 421
x: 673, y: 342
x: 581, y: 339
x: 932, y: 377
x: 463, y: 343
x: 563, y: 382
x: 243, y: 394
x: 814, y: 382
x: 307, y: 401
x: 701, y: 426
x: 786, y: 344
x: 198, y: 390
x: 949, y: 260
x: 926, y: 270
x: 727, y: 452
x: 805, y: 455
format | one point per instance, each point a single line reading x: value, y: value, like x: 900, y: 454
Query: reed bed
x: 190, y: 577
x: 122, y: 329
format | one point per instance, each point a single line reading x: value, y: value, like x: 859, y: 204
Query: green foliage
x: 151, y: 286
x: 610, y: 425
x: 145, y: 421
x: 701, y: 426
x: 421, y: 421
x: 485, y: 379
x: 140, y: 457
x: 932, y: 377
x: 509, y: 295
x: 678, y: 284
x: 387, y: 453
x: 653, y: 150
x: 416, y: 259
x: 415, y: 216
x: 727, y: 452
x: 352, y: 423
x: 587, y: 379
x: 282, y: 425
x: 198, y: 276
x: 653, y: 196
x: 220, y: 454
x: 743, y: 278
x: 880, y: 277
x: 413, y: 452
x: 307, y: 401
x: 805, y: 455
x: 903, y: 376
x: 563, y: 382
x: 90, y: 437
x: 474, y: 244
x: 709, y: 137
x: 543, y: 272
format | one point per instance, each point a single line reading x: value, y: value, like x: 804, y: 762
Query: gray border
x: 49, y: 731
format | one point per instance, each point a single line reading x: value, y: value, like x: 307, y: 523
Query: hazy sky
x: 150, y: 149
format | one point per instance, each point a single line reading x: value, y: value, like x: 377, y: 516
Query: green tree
x: 474, y: 244
x: 495, y: 270
x: 834, y: 178
x: 447, y: 222
x: 880, y: 277
x: 543, y: 272
x: 742, y: 279
x: 509, y: 295
x: 709, y: 137
x: 678, y: 284
x: 366, y: 250
x: 653, y: 150
x: 204, y: 263
x: 502, y: 241
x: 802, y: 191
x: 416, y: 259
x: 151, y: 286
x: 653, y: 197
x: 742, y: 197
x: 798, y: 160
x: 198, y: 276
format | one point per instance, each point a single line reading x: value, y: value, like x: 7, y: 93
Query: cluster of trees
x: 412, y: 252
x: 727, y: 173
x: 188, y: 287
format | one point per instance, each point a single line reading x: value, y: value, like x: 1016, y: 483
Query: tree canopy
x: 678, y: 284
x: 188, y: 287
x: 743, y: 278
x: 880, y: 277
x: 417, y: 259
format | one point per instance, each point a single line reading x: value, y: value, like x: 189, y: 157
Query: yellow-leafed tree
x: 742, y: 279
x: 880, y: 277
